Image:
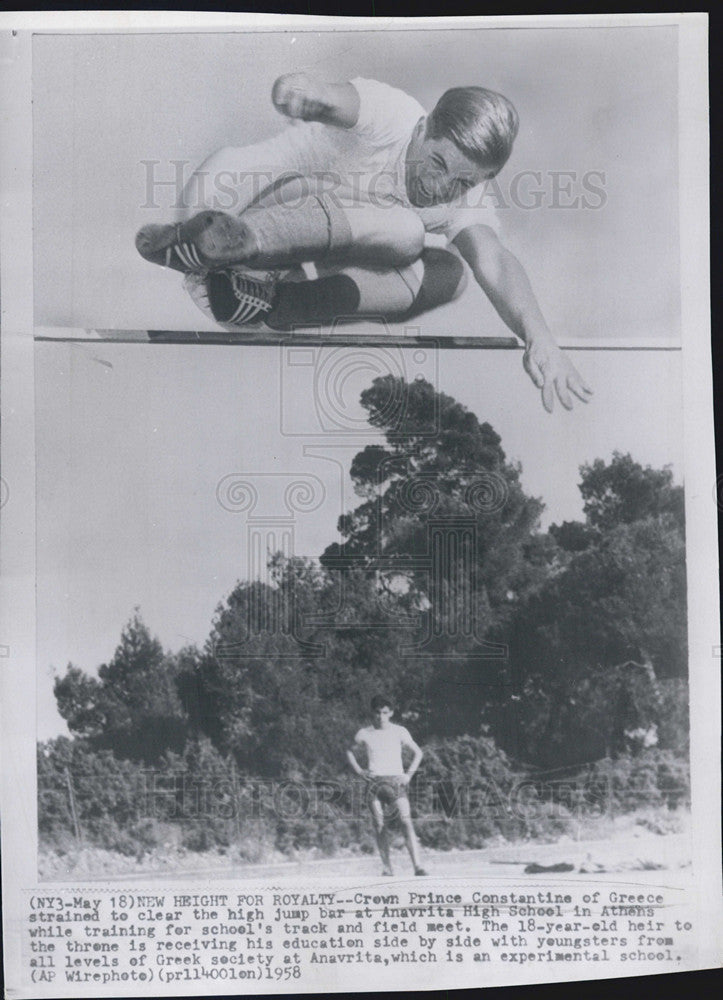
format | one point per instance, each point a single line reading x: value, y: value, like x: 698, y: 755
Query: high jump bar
x: 315, y: 338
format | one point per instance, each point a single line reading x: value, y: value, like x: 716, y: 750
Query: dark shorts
x: 387, y: 789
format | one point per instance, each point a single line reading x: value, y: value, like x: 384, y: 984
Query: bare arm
x: 416, y: 759
x: 234, y: 176
x: 297, y: 95
x: 354, y: 763
x: 505, y: 282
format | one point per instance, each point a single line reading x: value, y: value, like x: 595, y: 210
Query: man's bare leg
x: 381, y: 834
x: 301, y: 222
x: 405, y: 818
x: 438, y: 276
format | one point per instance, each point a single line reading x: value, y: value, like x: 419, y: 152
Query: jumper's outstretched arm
x: 504, y: 280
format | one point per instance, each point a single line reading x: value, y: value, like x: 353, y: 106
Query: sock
x: 309, y: 231
x: 307, y: 303
x: 443, y: 272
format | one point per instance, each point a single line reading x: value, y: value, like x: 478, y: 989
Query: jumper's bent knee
x: 405, y: 235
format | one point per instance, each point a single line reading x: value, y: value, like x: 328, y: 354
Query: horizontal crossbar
x: 313, y: 338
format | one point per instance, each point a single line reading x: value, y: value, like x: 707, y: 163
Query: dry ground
x: 641, y: 843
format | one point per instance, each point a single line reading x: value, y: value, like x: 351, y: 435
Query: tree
x: 623, y: 491
x: 132, y: 707
x: 623, y: 599
x: 450, y: 533
x: 614, y: 606
x: 290, y: 666
x: 573, y: 536
x: 441, y: 471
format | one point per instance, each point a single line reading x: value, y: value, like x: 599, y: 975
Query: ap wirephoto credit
x: 359, y: 504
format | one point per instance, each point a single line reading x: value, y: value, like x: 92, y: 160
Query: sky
x: 135, y: 444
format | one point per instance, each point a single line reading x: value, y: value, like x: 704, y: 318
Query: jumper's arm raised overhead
x: 297, y: 95
x: 232, y: 178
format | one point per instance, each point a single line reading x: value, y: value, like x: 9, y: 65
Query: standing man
x: 382, y: 744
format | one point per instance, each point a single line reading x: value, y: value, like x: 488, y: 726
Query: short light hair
x: 480, y: 122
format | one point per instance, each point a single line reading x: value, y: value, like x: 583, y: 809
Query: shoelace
x: 254, y: 297
x: 186, y: 252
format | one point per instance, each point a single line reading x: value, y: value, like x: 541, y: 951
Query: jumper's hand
x: 405, y: 778
x: 297, y: 95
x: 553, y: 372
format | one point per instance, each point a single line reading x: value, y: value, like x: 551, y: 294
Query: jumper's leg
x: 295, y: 221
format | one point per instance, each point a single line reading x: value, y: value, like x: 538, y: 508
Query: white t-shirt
x: 369, y: 158
x: 384, y: 748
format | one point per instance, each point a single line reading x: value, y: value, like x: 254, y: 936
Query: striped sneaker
x: 235, y: 297
x: 176, y: 246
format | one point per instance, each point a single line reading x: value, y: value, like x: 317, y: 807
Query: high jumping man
x: 362, y: 186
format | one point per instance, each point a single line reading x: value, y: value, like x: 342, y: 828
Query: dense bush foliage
x: 466, y: 793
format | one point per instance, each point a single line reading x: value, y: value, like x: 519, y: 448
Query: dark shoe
x: 239, y: 298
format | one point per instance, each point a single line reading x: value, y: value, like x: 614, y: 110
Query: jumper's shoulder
x: 386, y: 114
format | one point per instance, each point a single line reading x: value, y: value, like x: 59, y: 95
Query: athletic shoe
x: 208, y: 240
x: 240, y: 297
x: 172, y: 246
x: 419, y: 871
x: 235, y: 297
